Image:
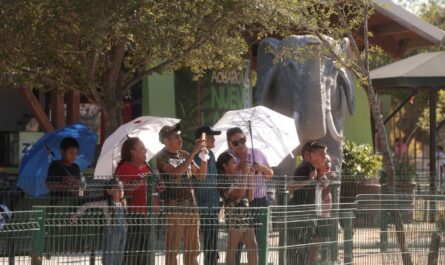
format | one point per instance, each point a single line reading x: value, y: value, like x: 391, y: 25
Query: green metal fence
x: 19, y: 231
x: 381, y: 228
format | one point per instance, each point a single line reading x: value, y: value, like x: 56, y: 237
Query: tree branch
x: 94, y: 65
x: 158, y: 68
x: 117, y: 55
x: 32, y: 72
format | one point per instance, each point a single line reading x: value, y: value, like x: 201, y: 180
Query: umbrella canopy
x: 145, y: 128
x: 271, y: 132
x: 35, y: 163
x: 420, y: 70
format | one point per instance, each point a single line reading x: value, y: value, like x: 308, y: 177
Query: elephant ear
x: 347, y: 78
x: 267, y: 49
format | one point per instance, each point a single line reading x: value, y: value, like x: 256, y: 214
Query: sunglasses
x: 238, y: 142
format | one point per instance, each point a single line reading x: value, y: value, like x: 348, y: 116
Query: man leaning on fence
x: 177, y: 167
x: 302, y: 231
x: 208, y: 198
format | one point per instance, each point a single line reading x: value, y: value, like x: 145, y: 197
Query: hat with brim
x: 207, y: 130
x: 167, y: 130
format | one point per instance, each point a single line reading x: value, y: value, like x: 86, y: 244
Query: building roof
x: 396, y: 30
x: 418, y: 71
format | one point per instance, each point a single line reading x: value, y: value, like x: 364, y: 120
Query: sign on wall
x: 26, y: 140
x: 204, y: 101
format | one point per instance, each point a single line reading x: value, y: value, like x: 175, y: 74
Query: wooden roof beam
x: 389, y: 30
x: 36, y: 108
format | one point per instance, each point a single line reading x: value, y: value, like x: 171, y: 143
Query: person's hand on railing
x: 74, y: 218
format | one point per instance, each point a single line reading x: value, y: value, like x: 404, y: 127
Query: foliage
x: 434, y: 13
x: 360, y: 162
x: 378, y: 58
x: 103, y: 48
x: 424, y: 119
x: 405, y: 170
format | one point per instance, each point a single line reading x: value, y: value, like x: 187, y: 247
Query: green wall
x: 158, y: 93
x: 159, y: 100
x: 358, y: 126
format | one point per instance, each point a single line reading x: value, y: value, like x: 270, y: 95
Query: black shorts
x: 324, y: 228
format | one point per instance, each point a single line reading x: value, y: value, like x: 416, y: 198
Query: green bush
x: 404, y: 170
x: 360, y: 162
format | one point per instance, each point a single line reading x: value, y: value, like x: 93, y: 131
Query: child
x: 115, y: 234
x: 325, y: 175
x: 323, y: 209
x: 236, y: 191
x: 64, y: 172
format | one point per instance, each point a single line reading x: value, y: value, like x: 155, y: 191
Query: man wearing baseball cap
x: 178, y: 170
x: 208, y: 197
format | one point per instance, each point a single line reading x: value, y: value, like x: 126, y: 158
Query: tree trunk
x: 384, y: 148
x: 112, y: 117
x: 433, y: 255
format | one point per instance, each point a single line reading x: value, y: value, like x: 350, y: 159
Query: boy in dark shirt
x: 64, y: 172
x: 303, y: 230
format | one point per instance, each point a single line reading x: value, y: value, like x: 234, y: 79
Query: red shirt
x: 128, y: 173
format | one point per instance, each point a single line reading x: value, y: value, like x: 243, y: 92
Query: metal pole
x: 383, y: 221
x: 151, y: 219
x: 348, y: 244
x: 282, y: 199
x: 263, y: 246
x: 335, y: 189
x: 38, y: 236
x: 251, y: 142
x: 433, y: 103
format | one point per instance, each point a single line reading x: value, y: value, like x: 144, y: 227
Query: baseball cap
x: 166, y: 130
x: 207, y: 130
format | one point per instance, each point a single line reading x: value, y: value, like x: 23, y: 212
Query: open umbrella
x: 35, y: 163
x: 271, y: 132
x: 145, y: 128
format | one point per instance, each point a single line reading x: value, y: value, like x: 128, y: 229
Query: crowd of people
x: 194, y: 186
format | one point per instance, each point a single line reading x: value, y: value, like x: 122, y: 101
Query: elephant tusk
x: 331, y: 127
x: 296, y: 118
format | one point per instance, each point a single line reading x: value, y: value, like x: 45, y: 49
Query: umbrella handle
x: 51, y: 155
x: 251, y: 141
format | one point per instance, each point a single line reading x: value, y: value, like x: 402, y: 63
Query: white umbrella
x: 267, y: 130
x: 146, y: 128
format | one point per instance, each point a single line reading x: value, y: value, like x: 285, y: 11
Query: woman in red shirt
x: 133, y: 171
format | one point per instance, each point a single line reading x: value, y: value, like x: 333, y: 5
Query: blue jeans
x: 209, y: 230
x: 114, y: 245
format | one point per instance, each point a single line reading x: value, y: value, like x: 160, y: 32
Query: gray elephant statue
x: 312, y: 90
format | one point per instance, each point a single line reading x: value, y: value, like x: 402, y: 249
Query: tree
x: 338, y: 19
x: 103, y: 48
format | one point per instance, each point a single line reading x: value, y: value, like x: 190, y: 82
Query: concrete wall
x: 358, y: 126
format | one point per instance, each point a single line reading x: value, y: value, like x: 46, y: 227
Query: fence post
x: 383, y: 221
x: 263, y: 246
x: 282, y: 199
x: 38, y: 236
x: 348, y: 244
x: 333, y: 235
x: 151, y: 219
